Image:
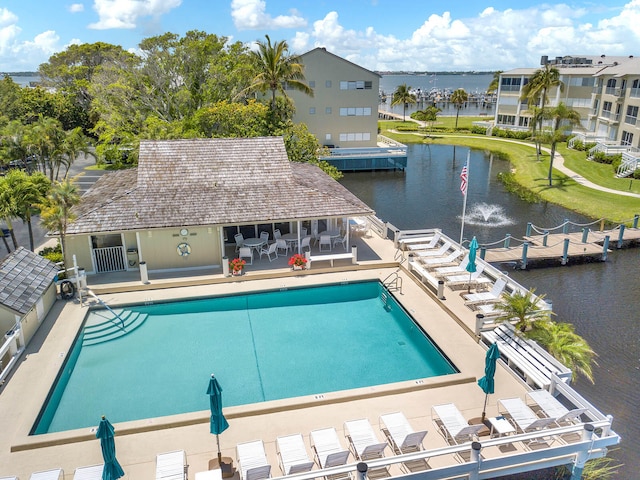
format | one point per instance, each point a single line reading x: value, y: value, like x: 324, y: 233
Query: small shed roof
x: 217, y: 181
x: 24, y: 277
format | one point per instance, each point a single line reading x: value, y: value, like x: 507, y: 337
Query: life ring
x: 67, y: 290
x: 184, y: 249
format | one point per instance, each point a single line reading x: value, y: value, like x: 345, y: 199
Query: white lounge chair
x: 421, y: 242
x: 364, y: 443
x: 54, y: 474
x: 292, y: 454
x: 439, y: 252
x: 453, y: 426
x: 433, y: 262
x: 8, y: 478
x: 401, y: 436
x: 452, y: 270
x: 552, y: 407
x: 252, y: 461
x: 476, y: 278
x: 486, y: 297
x: 171, y: 465
x: 327, y: 448
x: 524, y: 419
x: 94, y: 472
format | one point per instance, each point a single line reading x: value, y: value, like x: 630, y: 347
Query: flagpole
x: 465, y: 188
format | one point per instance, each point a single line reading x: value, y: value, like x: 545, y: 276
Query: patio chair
x: 343, y: 240
x: 269, y: 250
x: 305, y: 243
x: 434, y: 262
x: 292, y: 454
x: 401, y: 436
x: 441, y: 251
x: 487, y: 297
x: 524, y: 419
x: 452, y: 425
x: 326, y: 241
x: 264, y: 236
x: 476, y: 279
x: 303, y: 232
x: 452, y: 270
x: 282, y: 244
x: 239, y: 238
x: 277, y: 234
x: 363, y: 441
x: 246, y: 252
x: 327, y: 448
x: 54, y: 474
x: 93, y: 472
x: 171, y: 465
x: 418, y: 244
x: 552, y: 408
x: 252, y: 461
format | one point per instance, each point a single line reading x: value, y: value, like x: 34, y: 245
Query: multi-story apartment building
x: 604, y: 90
x: 343, y: 111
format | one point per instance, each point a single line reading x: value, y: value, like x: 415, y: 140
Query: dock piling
x: 565, y: 226
x: 507, y: 239
x: 529, y: 225
x: 635, y: 220
x: 605, y: 248
x: 621, y: 236
x: 525, y: 247
x: 565, y: 252
x: 545, y: 238
x: 585, y: 234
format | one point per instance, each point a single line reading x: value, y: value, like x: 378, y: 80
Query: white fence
x: 109, y: 259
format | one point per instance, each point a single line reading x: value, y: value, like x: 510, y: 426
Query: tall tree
x: 28, y: 191
x: 56, y: 211
x: 495, y: 82
x: 459, y: 97
x: 403, y: 96
x: 8, y: 209
x: 276, y: 71
x: 562, y: 118
x: 45, y: 138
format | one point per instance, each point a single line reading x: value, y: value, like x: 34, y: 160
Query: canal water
x: 601, y: 299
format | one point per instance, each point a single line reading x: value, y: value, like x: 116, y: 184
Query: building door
x: 108, y: 253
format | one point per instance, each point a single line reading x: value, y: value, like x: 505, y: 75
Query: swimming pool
x: 262, y: 346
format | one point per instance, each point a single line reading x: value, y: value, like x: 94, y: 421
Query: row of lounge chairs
x: 328, y: 451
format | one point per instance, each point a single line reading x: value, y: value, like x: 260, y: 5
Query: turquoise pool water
x: 262, y: 346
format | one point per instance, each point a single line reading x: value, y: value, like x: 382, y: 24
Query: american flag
x: 463, y: 180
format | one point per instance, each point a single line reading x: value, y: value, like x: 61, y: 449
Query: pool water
x: 261, y: 346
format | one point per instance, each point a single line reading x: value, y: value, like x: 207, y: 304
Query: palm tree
x: 8, y: 210
x: 562, y: 119
x: 459, y: 98
x: 276, y: 67
x: 523, y: 307
x: 28, y: 191
x: 566, y: 346
x: 75, y: 142
x: 495, y: 82
x: 403, y: 96
x: 55, y: 211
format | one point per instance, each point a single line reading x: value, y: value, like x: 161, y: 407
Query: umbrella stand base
x: 226, y: 466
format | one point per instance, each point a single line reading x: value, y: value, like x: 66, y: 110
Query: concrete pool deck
x: 448, y: 322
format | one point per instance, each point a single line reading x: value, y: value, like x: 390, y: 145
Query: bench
x: 331, y: 258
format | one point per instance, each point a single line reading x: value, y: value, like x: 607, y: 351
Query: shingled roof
x: 24, y: 277
x: 218, y: 181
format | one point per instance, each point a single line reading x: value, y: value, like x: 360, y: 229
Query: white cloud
x: 251, y: 15
x: 492, y: 40
x: 76, y: 7
x: 126, y: 13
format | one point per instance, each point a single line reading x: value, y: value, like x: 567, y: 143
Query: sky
x: 381, y: 35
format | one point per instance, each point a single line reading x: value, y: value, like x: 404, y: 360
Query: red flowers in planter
x: 298, y: 260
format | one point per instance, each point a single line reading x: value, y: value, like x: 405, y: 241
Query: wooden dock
x: 553, y: 249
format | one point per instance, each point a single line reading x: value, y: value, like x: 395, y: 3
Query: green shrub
x: 510, y: 184
x: 408, y: 127
x: 636, y: 174
x: 615, y: 162
x: 479, y: 130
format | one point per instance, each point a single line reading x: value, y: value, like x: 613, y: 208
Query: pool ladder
x: 393, y: 282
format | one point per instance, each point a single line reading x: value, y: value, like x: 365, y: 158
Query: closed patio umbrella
x: 486, y: 383
x: 218, y: 423
x: 112, y: 469
x: 471, y: 265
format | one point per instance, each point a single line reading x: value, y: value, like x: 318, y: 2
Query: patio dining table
x: 254, y: 243
x: 291, y: 238
x: 332, y: 233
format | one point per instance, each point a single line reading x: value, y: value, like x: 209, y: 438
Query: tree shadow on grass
x: 562, y: 183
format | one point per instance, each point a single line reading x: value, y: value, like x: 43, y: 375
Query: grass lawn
x: 532, y: 173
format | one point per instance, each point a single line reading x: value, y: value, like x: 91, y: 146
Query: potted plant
x: 298, y: 262
x: 237, y: 264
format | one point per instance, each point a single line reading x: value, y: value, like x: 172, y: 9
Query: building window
x: 627, y: 138
x: 327, y: 136
x: 312, y: 84
x: 312, y: 110
x: 355, y: 111
x: 327, y: 84
x: 606, y: 107
x: 355, y: 137
x: 635, y: 89
x: 510, y: 84
x: 506, y: 119
x: 355, y: 85
x: 524, y: 121
x: 327, y: 110
x: 632, y: 115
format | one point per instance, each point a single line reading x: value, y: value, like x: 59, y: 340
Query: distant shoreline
x: 20, y: 74
x: 424, y: 74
